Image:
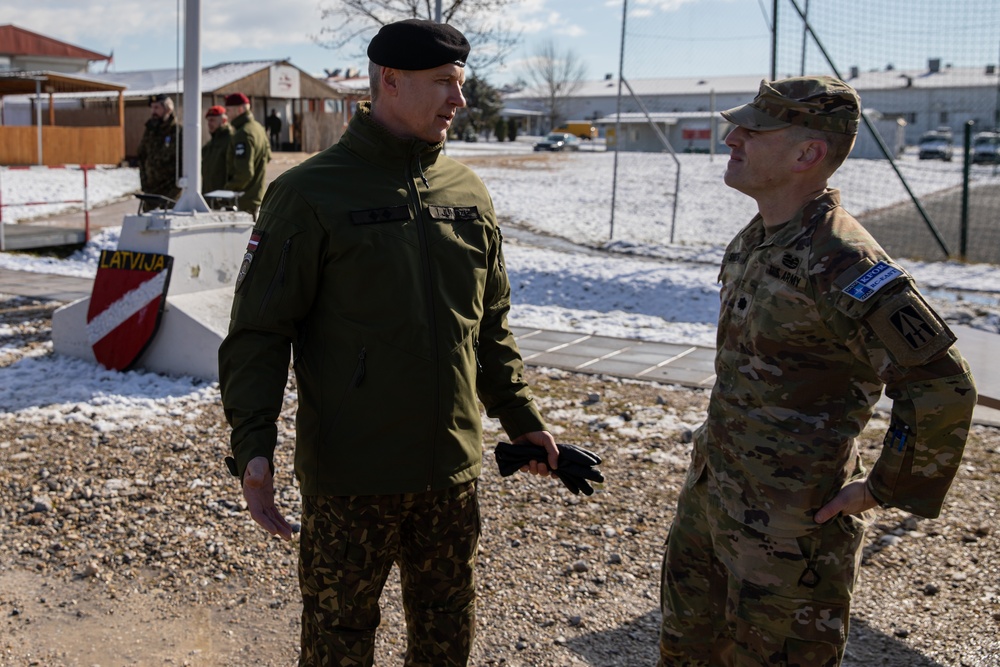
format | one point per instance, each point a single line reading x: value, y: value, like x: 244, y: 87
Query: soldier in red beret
x: 215, y: 153
x: 249, y: 153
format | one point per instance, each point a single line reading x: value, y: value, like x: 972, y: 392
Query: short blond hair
x: 374, y: 80
x: 838, y: 145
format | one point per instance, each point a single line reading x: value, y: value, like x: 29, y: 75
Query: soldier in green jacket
x: 249, y: 153
x: 160, y: 152
x: 215, y: 154
x: 377, y: 266
x: 815, y: 321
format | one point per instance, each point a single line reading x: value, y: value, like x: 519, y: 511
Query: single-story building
x: 313, y: 113
x: 28, y: 51
x: 924, y: 98
x: 691, y: 132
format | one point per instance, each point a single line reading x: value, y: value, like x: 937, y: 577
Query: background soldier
x: 160, y: 152
x: 246, y: 166
x: 273, y: 124
x: 815, y: 319
x: 215, y: 153
x: 379, y: 262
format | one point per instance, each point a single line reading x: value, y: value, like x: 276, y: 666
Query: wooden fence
x: 62, y: 145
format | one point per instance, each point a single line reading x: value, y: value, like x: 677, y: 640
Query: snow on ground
x: 657, y: 291
x: 41, y: 184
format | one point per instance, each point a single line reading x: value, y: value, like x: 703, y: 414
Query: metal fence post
x: 964, y: 218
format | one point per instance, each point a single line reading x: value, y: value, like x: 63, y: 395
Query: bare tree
x: 350, y: 22
x: 554, y: 75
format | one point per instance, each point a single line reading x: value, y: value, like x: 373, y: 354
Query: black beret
x: 161, y: 97
x: 416, y: 44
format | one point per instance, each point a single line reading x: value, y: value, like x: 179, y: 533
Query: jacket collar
x: 801, y: 224
x: 242, y: 119
x: 375, y: 143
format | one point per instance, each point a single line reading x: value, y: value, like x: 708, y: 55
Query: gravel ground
x: 133, y: 547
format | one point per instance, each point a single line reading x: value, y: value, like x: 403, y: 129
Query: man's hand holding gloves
x: 577, y: 466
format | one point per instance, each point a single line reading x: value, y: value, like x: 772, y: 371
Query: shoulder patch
x: 911, y: 331
x: 240, y: 149
x: 375, y: 215
x: 872, y: 280
x: 256, y: 238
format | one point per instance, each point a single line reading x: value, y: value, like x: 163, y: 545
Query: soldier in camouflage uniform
x: 249, y: 153
x: 160, y: 151
x: 378, y: 263
x: 815, y: 320
x: 215, y: 153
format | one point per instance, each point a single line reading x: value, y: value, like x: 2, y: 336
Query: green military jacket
x: 246, y: 165
x: 214, y: 156
x: 159, y: 156
x: 378, y: 262
x: 815, y: 319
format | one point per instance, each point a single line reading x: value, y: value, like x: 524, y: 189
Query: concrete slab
x: 26, y: 236
x: 44, y: 285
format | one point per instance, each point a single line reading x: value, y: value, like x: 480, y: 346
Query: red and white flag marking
x: 130, y: 291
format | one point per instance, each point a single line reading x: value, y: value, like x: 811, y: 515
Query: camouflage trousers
x: 348, y: 547
x: 732, y: 596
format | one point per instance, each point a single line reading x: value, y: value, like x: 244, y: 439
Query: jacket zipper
x: 429, y: 288
x: 279, y: 277
x: 359, y: 371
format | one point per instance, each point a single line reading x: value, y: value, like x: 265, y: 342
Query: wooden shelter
x: 313, y: 113
x: 45, y: 142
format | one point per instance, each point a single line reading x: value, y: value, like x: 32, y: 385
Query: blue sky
x: 143, y: 35
x: 666, y: 37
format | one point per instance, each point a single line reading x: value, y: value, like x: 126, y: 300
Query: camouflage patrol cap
x: 817, y: 102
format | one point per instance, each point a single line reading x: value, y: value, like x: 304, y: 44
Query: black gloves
x: 576, y: 464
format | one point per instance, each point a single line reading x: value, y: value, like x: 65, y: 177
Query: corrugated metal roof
x: 24, y: 83
x: 171, y: 81
x: 16, y: 41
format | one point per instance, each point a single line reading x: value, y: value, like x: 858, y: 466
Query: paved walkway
x: 668, y: 363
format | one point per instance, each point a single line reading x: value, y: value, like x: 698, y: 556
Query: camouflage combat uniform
x: 815, y: 318
x: 246, y: 165
x: 214, y: 156
x: 379, y: 262
x: 159, y: 156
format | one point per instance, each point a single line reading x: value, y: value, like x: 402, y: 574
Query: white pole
x: 38, y: 115
x: 190, y: 181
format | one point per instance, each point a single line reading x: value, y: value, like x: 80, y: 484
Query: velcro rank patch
x: 376, y: 215
x: 912, y: 332
x: 742, y: 303
x: 872, y: 280
x: 457, y: 213
x: 240, y: 149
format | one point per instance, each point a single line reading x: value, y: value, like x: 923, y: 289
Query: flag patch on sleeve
x: 256, y: 237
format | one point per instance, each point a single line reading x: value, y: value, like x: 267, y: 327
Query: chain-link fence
x: 927, y: 186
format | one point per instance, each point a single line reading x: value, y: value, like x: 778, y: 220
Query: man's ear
x: 390, y: 81
x: 811, y: 153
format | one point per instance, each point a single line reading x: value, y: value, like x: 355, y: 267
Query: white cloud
x: 226, y: 24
